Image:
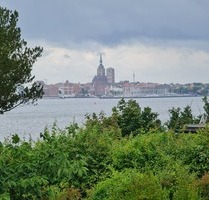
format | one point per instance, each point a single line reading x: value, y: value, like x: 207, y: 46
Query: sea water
x: 31, y: 120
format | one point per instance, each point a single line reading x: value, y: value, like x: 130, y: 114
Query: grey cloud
x: 66, y: 56
x: 112, y: 21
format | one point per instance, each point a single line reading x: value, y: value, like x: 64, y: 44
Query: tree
x: 16, y: 61
x: 206, y: 107
x: 132, y: 119
x: 178, y: 118
x: 127, y: 115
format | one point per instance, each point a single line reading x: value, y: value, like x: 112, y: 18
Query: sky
x: 161, y: 41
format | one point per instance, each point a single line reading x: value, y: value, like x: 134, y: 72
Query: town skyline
x: 103, y: 85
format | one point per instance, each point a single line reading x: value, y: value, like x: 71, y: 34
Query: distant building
x: 69, y: 90
x: 100, y: 81
x: 51, y: 90
x: 100, y: 69
x: 110, y: 73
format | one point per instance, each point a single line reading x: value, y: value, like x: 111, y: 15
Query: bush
x: 203, y: 185
x: 128, y: 185
x: 142, y: 152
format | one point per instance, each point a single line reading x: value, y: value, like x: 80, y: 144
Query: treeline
x: 129, y: 155
x: 192, y: 88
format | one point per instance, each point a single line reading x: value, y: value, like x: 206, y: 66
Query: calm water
x: 33, y: 119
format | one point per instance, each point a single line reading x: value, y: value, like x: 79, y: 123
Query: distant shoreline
x: 154, y: 96
x: 125, y: 97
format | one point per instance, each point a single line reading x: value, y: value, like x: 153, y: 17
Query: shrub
x: 128, y: 185
x: 203, y: 185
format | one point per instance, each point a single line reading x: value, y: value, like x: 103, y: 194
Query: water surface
x: 29, y: 119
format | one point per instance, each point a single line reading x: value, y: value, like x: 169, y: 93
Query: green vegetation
x: 190, y: 88
x: 16, y: 61
x: 106, y: 159
x: 129, y: 155
x: 133, y: 120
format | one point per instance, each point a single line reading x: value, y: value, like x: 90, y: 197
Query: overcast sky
x: 163, y: 41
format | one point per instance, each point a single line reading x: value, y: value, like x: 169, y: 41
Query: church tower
x: 100, y: 81
x: 110, y: 73
x: 100, y: 69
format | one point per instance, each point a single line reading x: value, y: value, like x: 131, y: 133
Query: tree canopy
x: 132, y: 119
x: 16, y: 62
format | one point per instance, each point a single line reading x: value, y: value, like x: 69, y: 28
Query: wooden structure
x: 193, y: 128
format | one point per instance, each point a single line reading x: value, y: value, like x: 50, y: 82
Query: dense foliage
x: 98, y: 161
x: 16, y: 61
x: 128, y: 155
x: 132, y: 119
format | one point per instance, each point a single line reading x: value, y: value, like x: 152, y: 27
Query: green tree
x: 128, y: 116
x: 178, y: 118
x: 16, y: 61
x: 132, y: 119
x: 206, y: 106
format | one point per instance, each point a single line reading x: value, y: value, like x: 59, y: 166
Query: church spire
x: 100, y: 69
x: 100, y: 61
